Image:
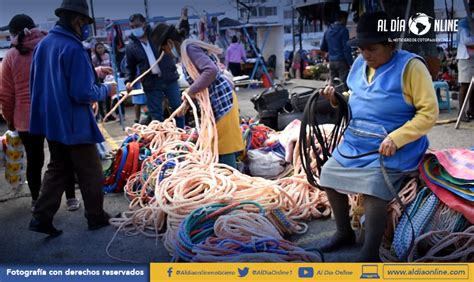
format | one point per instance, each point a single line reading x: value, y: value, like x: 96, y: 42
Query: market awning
x: 228, y: 22
x: 321, y: 10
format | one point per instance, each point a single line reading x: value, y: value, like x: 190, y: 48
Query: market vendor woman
x: 393, y: 106
x: 222, y: 97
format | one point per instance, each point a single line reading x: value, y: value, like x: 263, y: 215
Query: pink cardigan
x: 15, y: 82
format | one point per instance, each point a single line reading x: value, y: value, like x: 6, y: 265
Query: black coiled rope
x: 311, y: 134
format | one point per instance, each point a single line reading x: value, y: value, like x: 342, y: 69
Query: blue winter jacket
x: 63, y: 88
x: 335, y: 42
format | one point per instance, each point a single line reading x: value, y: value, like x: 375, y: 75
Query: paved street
x: 78, y: 245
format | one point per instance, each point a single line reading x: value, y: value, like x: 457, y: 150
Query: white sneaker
x: 73, y: 204
x: 33, y: 203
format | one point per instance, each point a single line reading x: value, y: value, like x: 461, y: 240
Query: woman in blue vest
x: 393, y: 106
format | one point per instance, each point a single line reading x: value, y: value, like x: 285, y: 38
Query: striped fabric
x: 421, y: 212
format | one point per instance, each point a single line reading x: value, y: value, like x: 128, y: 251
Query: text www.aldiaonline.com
x: 424, y: 272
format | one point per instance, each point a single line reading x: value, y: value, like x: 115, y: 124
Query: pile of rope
x: 211, y: 231
x: 181, y: 176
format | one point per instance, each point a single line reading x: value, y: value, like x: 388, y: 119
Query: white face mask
x: 138, y: 32
x: 175, y: 52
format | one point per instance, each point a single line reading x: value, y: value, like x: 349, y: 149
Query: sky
x: 42, y: 10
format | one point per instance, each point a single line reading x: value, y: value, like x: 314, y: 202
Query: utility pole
x: 293, y: 24
x: 147, y: 15
x: 94, y: 29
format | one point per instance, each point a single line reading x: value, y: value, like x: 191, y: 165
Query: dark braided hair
x: 17, y: 26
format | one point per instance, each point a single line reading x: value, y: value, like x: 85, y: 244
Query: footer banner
x: 222, y: 272
x: 308, y: 272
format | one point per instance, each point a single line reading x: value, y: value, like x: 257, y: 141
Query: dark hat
x: 367, y: 29
x: 20, y: 22
x: 160, y: 33
x: 78, y: 6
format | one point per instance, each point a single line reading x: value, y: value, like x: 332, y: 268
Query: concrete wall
x: 274, y: 46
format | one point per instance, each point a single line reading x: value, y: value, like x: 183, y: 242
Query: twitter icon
x: 243, y: 272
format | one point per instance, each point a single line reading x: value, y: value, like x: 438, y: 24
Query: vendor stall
x: 263, y: 41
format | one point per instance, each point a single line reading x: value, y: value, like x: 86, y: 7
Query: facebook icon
x: 170, y: 271
x: 305, y: 272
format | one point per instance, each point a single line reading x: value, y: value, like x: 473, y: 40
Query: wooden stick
x: 446, y: 121
x: 131, y: 84
x: 464, y: 105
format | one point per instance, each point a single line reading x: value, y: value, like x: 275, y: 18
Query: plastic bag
x: 15, y: 160
x: 3, y: 148
x: 265, y: 164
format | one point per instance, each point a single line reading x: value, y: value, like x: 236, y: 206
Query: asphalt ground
x: 79, y: 245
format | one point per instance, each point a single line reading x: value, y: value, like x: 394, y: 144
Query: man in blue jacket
x: 63, y: 87
x: 340, y: 54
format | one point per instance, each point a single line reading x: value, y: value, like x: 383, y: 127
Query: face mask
x: 86, y: 45
x: 138, y: 32
x: 174, y: 52
x: 85, y: 32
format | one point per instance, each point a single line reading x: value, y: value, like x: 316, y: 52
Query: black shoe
x: 95, y: 224
x: 111, y: 118
x: 465, y: 118
x: 46, y: 228
x: 338, y: 241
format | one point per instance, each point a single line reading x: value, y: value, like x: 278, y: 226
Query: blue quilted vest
x: 377, y: 109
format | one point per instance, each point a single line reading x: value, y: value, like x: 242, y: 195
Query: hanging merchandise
x: 15, y: 160
x: 202, y: 28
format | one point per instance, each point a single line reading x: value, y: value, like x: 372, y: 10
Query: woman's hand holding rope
x: 388, y: 147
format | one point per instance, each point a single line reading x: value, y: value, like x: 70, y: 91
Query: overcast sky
x: 41, y: 10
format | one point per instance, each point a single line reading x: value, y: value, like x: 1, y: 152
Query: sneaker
x: 73, y: 204
x: 95, y: 224
x: 33, y: 203
x: 44, y: 227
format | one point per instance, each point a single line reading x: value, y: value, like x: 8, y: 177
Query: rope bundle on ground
x: 184, y: 180
x: 226, y: 233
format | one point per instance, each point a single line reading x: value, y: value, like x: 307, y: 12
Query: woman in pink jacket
x: 15, y: 101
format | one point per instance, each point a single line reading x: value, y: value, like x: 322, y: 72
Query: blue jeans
x: 154, y: 101
x: 228, y: 159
